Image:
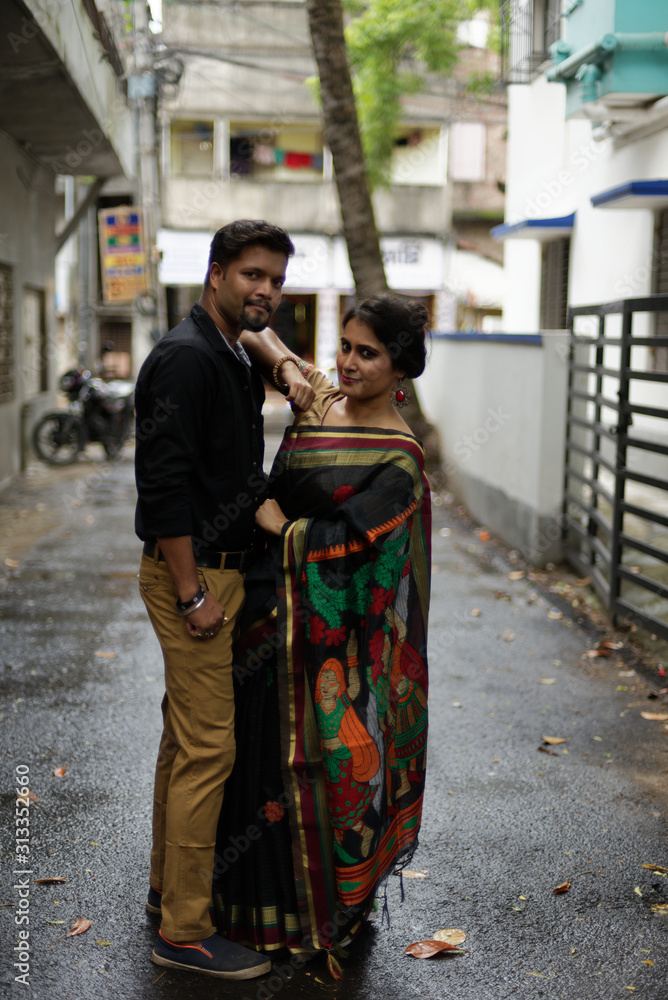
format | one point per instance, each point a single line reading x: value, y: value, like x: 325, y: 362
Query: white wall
x: 500, y: 408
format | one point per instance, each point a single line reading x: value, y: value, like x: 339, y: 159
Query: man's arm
x: 265, y: 350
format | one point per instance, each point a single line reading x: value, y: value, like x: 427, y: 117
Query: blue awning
x: 536, y: 229
x: 634, y: 194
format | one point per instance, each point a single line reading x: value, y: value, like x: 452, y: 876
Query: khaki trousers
x: 196, y: 748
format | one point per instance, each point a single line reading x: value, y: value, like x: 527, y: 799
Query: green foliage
x: 391, y: 44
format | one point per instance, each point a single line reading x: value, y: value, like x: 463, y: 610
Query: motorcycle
x: 97, y: 411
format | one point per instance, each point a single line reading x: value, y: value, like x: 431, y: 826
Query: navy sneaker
x: 154, y: 902
x: 215, y: 956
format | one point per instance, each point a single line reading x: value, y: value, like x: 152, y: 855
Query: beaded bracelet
x: 301, y: 365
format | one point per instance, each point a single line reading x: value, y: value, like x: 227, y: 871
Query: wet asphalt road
x: 504, y: 824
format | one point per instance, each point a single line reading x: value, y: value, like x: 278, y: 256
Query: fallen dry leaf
x: 409, y: 874
x: 564, y: 887
x: 547, y: 680
x: 545, y: 750
x: 451, y: 934
x: 59, y: 772
x: 12, y: 563
x: 508, y: 636
x: 79, y: 926
x: 638, y: 891
x: 553, y: 741
x: 540, y: 974
x: 605, y: 647
x: 31, y: 796
x: 333, y: 966
x: 102, y: 942
x: 517, y: 574
x: 657, y: 868
x: 427, y: 949
x: 55, y: 921
x: 105, y: 656
x: 655, y: 716
x: 659, y: 907
x: 583, y: 581
x: 646, y: 961
x: 484, y: 536
x: 50, y: 880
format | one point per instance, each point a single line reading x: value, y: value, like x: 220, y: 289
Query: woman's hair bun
x: 399, y: 323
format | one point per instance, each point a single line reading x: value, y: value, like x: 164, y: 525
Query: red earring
x: 399, y: 395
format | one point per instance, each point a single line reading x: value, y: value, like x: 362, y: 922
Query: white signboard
x: 412, y: 263
x: 185, y: 255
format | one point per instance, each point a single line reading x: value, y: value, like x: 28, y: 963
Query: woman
x: 331, y: 670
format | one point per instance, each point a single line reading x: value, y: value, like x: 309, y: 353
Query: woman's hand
x: 270, y: 517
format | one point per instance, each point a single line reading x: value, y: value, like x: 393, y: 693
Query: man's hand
x: 208, y: 620
x: 300, y: 393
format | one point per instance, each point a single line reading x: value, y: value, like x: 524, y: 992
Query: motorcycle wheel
x: 58, y: 438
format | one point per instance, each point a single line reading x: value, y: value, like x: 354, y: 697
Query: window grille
x: 554, y: 285
x: 528, y: 28
x: 658, y: 356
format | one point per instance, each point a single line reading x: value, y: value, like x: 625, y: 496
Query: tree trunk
x: 342, y: 136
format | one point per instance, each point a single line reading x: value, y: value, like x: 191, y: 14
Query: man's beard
x: 253, y: 321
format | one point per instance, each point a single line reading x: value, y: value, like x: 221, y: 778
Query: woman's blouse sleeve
x: 325, y: 394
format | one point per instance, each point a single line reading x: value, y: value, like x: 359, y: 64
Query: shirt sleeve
x: 173, y: 398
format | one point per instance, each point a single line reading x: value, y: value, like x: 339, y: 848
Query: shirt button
x: 245, y: 388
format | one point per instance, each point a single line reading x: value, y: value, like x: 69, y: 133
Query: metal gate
x: 615, y: 516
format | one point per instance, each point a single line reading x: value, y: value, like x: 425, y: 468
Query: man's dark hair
x: 231, y: 240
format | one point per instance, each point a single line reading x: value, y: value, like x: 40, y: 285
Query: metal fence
x: 615, y: 517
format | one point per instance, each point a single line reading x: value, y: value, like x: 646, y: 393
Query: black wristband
x: 184, y: 606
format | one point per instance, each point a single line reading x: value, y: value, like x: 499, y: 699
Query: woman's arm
x: 266, y: 349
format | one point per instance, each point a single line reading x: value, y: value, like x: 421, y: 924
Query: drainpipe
x: 589, y: 74
x: 568, y: 65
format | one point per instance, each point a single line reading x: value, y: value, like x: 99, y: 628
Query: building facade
x: 241, y: 136
x: 63, y: 111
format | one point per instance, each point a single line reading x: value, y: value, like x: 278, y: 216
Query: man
x: 199, y: 481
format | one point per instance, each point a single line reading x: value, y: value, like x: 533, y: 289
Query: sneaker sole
x: 257, y: 970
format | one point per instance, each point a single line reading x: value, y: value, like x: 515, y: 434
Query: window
x: 554, y: 285
x: 467, y: 151
x: 192, y: 148
x: 418, y: 157
x: 276, y: 153
x: 7, y: 375
x: 35, y: 368
x: 528, y: 28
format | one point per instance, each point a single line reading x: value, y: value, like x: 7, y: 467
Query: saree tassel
x: 334, y: 966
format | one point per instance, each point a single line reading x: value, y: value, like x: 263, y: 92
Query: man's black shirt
x: 200, y: 440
